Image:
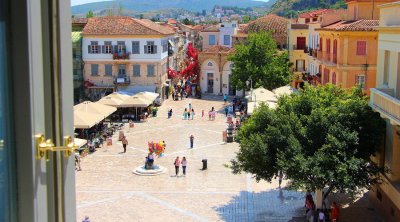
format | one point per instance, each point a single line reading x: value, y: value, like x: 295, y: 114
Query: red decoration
x: 192, y: 70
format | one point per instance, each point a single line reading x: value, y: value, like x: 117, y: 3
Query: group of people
x: 178, y: 163
x: 320, y: 215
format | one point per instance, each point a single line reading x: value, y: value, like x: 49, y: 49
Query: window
x: 107, y: 47
x: 320, y: 44
x: 334, y: 78
x: 121, y: 47
x: 361, y: 47
x: 121, y: 70
x: 150, y: 48
x: 108, y: 69
x: 95, y: 69
x: 135, y: 47
x: 233, y: 25
x: 307, y: 20
x: 164, y: 44
x: 93, y: 48
x: 227, y: 39
x: 211, y: 40
x: 315, y: 19
x: 150, y: 70
x: 360, y: 81
x: 136, y: 70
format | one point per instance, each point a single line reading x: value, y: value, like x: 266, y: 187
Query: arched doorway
x: 209, y: 75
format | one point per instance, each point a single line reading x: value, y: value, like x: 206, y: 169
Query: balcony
x: 383, y: 101
x: 122, y: 80
x: 300, y: 47
x: 121, y: 56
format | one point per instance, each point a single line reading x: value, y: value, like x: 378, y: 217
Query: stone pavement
x: 107, y: 190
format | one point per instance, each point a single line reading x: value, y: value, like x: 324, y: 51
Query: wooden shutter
x: 89, y: 49
x: 103, y: 49
x: 145, y: 49
x: 115, y: 49
x: 301, y: 42
x: 361, y: 47
x: 155, y: 49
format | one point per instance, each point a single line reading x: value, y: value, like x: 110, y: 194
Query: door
x: 300, y: 65
x: 210, y: 82
x: 42, y: 103
x: 301, y: 42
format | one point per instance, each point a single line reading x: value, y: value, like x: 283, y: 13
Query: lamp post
x: 250, y: 81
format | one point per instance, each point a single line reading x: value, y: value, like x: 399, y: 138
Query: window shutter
x: 115, y: 49
x: 103, y: 49
x: 89, y: 49
x: 145, y: 49
x: 155, y: 49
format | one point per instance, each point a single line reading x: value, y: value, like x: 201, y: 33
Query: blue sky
x: 80, y: 2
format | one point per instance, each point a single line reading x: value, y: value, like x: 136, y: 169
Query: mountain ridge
x: 150, y: 5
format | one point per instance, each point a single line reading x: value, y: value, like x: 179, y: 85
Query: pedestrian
x: 335, y: 212
x: 184, y: 162
x: 173, y: 96
x: 176, y: 164
x: 185, y: 114
x: 209, y: 115
x: 86, y: 219
x: 226, y: 111
x: 280, y: 177
x: 202, y: 113
x: 189, y: 114
x: 77, y: 162
x: 192, y: 114
x: 225, y: 98
x: 124, y: 143
x: 190, y: 106
x: 321, y: 216
x: 181, y: 94
x: 191, y: 138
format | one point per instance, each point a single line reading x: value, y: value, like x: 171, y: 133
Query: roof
x: 79, y: 20
x: 270, y: 22
x: 76, y: 36
x: 122, y: 25
x: 299, y: 26
x: 314, y: 13
x: 198, y: 27
x: 172, y: 21
x: 352, y: 25
x: 218, y: 49
x: 211, y: 28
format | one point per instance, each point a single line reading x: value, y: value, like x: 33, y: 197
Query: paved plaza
x: 107, y: 190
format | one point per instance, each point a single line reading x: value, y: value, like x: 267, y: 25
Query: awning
x: 85, y: 120
x: 252, y: 106
x: 79, y: 142
x: 263, y: 95
x: 148, y: 95
x: 132, y: 90
x: 114, y: 99
x: 284, y: 90
x: 95, y: 108
x: 137, y: 101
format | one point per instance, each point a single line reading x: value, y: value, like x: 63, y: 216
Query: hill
x: 290, y: 8
x: 151, y: 5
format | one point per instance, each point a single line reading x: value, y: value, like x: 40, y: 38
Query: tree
x: 246, y: 19
x: 321, y: 137
x: 186, y: 21
x: 89, y: 14
x: 260, y: 60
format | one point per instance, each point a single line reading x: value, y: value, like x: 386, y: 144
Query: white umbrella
x: 85, y: 120
x: 95, y: 108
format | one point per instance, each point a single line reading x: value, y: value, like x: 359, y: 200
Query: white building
x: 123, y: 53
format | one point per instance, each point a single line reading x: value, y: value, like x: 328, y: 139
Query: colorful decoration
x: 156, y: 148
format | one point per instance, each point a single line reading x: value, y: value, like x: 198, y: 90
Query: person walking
x: 225, y: 98
x: 185, y: 114
x: 189, y: 114
x: 192, y: 114
x: 202, y: 113
x: 335, y: 212
x: 176, y: 164
x: 191, y: 138
x: 226, y: 111
x: 124, y: 143
x: 173, y: 96
x: 190, y: 106
x: 183, y: 163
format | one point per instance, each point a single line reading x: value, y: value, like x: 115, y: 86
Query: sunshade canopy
x: 263, y: 95
x: 95, y: 108
x: 137, y: 101
x: 283, y: 90
x: 147, y: 95
x: 85, y: 120
x: 79, y: 142
x: 114, y: 99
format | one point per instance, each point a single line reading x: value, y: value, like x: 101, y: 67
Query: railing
x: 119, y: 56
x: 383, y: 102
x: 301, y: 47
x: 124, y: 80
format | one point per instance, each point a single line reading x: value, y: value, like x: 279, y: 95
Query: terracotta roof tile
x: 353, y: 25
x: 219, y: 49
x: 299, y: 26
x: 314, y: 13
x: 79, y: 20
x: 211, y: 28
x: 270, y: 22
x: 121, y: 25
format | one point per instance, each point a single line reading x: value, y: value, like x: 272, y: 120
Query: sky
x: 80, y: 2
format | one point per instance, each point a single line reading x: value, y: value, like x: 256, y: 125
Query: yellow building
x: 385, y: 99
x: 298, y: 50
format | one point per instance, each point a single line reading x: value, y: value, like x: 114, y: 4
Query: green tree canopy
x: 260, y: 60
x: 89, y: 14
x: 320, y: 137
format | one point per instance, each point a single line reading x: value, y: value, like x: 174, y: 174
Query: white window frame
x: 362, y: 83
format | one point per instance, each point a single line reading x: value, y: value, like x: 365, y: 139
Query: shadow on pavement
x: 278, y: 205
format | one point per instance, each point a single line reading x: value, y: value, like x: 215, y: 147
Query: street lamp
x: 250, y: 81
